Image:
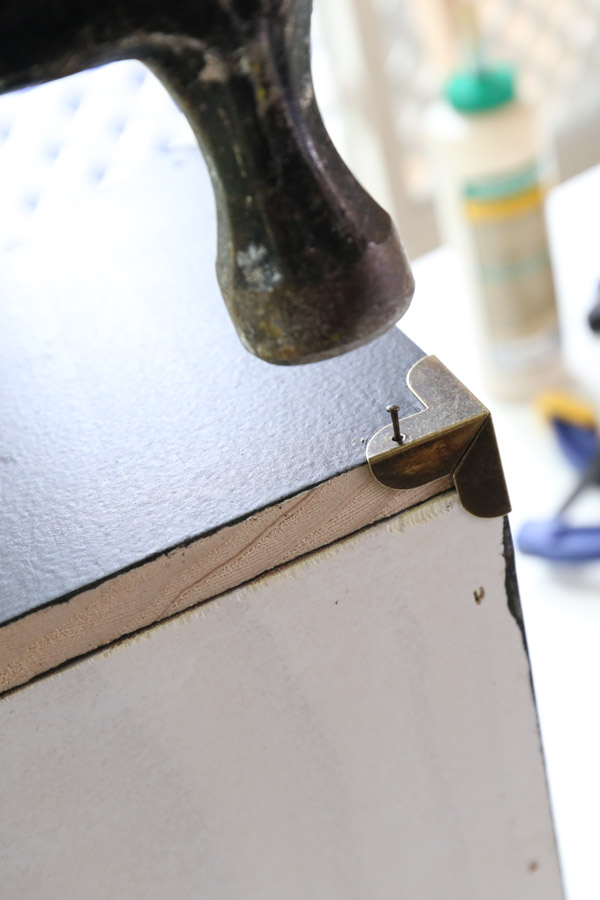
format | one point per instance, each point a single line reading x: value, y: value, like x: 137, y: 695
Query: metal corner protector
x: 452, y: 436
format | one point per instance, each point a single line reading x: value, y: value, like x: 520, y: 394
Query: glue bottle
x: 489, y: 183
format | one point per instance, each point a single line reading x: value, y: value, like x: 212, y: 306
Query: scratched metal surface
x: 131, y: 419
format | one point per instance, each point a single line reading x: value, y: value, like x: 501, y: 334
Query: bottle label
x: 506, y: 218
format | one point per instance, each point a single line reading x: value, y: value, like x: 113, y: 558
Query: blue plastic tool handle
x: 558, y: 541
x: 578, y: 444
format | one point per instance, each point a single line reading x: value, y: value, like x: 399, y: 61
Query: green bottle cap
x: 476, y: 91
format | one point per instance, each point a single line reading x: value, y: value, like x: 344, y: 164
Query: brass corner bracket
x: 452, y: 436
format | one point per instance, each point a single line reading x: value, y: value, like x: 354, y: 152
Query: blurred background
x: 379, y: 64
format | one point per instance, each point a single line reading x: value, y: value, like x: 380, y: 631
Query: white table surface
x: 561, y: 604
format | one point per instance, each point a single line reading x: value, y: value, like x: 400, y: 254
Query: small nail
x: 393, y: 410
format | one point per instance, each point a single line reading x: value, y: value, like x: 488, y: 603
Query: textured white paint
x: 353, y: 726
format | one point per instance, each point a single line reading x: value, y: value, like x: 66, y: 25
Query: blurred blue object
x: 558, y: 541
x: 578, y: 444
x: 555, y: 539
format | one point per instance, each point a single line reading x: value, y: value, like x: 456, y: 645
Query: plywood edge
x: 191, y: 574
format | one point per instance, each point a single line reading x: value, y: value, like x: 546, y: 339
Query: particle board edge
x: 195, y: 572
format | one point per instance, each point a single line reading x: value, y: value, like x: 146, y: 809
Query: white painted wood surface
x: 354, y: 725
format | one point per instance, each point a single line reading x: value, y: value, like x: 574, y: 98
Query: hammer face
x: 295, y: 322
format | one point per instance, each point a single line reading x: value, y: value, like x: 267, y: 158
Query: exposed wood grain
x: 190, y: 574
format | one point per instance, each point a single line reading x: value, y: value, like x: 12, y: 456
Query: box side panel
x: 357, y: 724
